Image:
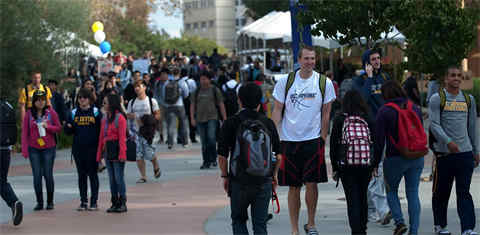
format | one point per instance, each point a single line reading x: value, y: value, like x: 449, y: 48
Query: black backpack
x: 8, y: 124
x: 231, y: 103
x: 252, y: 155
x: 172, y: 92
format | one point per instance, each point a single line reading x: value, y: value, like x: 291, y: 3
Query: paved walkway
x: 185, y: 200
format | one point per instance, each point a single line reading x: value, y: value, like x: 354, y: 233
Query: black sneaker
x: 93, y: 207
x: 83, y: 207
x: 204, y: 166
x: 170, y: 146
x: 214, y: 164
x: 400, y: 229
x: 38, y: 207
x: 17, y: 213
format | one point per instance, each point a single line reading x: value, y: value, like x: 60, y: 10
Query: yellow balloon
x: 97, y: 26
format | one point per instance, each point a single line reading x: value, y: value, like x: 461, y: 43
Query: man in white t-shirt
x: 137, y: 107
x: 303, y: 127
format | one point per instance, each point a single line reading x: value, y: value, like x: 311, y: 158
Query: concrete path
x: 185, y: 200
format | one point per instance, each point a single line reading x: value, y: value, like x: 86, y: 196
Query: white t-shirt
x: 140, y: 108
x: 302, y: 120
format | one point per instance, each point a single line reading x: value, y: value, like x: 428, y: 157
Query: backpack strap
x: 290, y: 81
x: 323, y: 85
x: 443, y: 99
x: 151, y: 105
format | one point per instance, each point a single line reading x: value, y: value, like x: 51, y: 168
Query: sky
x: 171, y: 24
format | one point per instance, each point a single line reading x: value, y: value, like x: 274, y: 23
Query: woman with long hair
x: 396, y: 166
x: 112, y: 147
x: 40, y: 125
x: 354, y: 168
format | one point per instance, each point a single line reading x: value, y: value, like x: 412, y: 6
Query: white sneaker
x: 441, y: 231
x: 469, y: 232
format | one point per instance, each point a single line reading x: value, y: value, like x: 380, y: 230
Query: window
x: 237, y: 22
x: 237, y: 3
x: 211, y: 23
x: 204, y: 24
x: 211, y: 3
x: 203, y: 4
x: 195, y: 25
x: 187, y: 26
x: 194, y: 4
x: 244, y: 21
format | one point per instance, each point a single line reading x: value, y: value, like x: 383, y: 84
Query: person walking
x: 137, y: 108
x: 40, y: 125
x: 351, y: 154
x: 453, y: 123
x: 84, y: 124
x: 396, y: 164
x: 8, y: 128
x: 205, y: 106
x: 369, y: 85
x: 246, y: 189
x: 112, y: 147
x: 302, y: 113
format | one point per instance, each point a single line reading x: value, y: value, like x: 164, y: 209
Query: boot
x: 49, y: 201
x: 122, y: 205
x: 114, y: 206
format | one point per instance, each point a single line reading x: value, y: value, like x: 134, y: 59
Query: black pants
x: 456, y: 167
x: 87, y: 169
x: 6, y: 190
x: 355, y: 184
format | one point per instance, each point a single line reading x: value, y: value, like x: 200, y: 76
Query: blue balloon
x: 105, y: 47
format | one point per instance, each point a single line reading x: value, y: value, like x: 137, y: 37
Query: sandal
x: 157, y: 173
x: 310, y: 231
x: 141, y: 181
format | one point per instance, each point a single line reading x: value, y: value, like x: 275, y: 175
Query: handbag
x: 112, y: 150
x: 131, y: 149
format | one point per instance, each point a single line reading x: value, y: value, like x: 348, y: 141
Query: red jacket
x: 114, y: 133
x: 30, y: 135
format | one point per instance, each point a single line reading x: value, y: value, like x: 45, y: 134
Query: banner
x: 299, y: 35
x: 104, y: 66
x: 141, y: 65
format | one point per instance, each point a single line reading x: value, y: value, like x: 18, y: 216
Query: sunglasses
x: 82, y: 97
x: 39, y: 93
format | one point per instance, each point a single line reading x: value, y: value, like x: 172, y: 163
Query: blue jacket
x: 370, y: 87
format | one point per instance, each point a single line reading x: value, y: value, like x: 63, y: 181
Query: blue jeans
x: 6, y: 191
x: 41, y: 161
x: 394, y: 168
x: 116, y: 171
x: 207, y: 131
x: 257, y: 197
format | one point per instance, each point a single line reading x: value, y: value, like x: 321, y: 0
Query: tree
x: 258, y: 9
x: 439, y: 33
x: 349, y: 22
x: 32, y: 34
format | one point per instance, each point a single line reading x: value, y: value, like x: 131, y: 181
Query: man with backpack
x: 302, y: 113
x: 138, y: 107
x: 249, y: 139
x: 453, y: 114
x: 26, y: 94
x: 8, y: 137
x: 230, y: 90
x: 369, y: 85
x: 159, y: 94
x: 174, y: 93
x: 206, y: 108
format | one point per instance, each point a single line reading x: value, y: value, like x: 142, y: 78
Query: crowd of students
x: 377, y: 137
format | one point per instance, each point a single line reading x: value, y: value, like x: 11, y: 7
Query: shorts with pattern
x: 302, y: 162
x: 144, y: 150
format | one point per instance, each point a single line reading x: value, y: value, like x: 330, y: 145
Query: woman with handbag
x: 351, y: 153
x: 112, y: 147
x: 40, y: 125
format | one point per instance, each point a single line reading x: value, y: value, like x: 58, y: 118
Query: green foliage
x: 139, y: 38
x: 439, y: 33
x: 31, y: 33
x: 348, y: 21
x: 257, y: 9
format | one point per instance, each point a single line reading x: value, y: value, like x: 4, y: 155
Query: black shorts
x: 302, y: 162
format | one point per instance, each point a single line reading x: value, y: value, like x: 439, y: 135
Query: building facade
x: 217, y: 20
